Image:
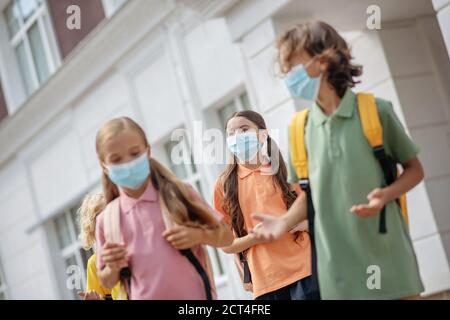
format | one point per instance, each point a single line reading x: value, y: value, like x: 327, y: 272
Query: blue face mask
x: 244, y: 146
x: 301, y: 85
x: 131, y: 174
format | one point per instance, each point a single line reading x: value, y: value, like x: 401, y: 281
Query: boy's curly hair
x: 320, y: 39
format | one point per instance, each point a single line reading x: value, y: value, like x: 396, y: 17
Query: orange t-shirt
x: 272, y: 265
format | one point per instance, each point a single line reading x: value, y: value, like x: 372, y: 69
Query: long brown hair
x: 229, y: 178
x: 177, y: 196
x: 320, y: 39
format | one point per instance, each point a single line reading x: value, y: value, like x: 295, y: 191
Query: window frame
x: 236, y: 100
x: 40, y: 17
x: 74, y: 248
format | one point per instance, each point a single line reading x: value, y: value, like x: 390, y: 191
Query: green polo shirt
x: 351, y: 253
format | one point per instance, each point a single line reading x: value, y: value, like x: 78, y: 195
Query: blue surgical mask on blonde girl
x: 126, y: 160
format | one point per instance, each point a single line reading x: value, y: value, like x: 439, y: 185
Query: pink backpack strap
x: 111, y: 221
x: 112, y: 233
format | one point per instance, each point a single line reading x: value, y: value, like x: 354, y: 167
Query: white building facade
x: 169, y: 64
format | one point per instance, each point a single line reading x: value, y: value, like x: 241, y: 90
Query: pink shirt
x: 158, y: 270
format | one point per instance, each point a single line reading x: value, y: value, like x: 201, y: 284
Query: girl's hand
x: 270, y: 228
x: 115, y: 256
x: 90, y: 295
x: 182, y: 237
x: 301, y: 227
x: 377, y: 199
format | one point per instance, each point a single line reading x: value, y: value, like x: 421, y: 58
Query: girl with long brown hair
x: 142, y: 185
x: 255, y: 180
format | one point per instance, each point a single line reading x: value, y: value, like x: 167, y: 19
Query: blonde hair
x: 174, y: 193
x: 91, y: 206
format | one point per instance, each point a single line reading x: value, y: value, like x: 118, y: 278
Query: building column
x: 442, y: 8
x: 419, y: 73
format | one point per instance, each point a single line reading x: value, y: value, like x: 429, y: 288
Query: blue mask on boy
x: 244, y: 146
x: 131, y: 174
x: 301, y: 85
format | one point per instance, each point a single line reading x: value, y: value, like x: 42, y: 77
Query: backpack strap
x: 370, y: 120
x: 299, y: 158
x: 112, y: 222
x: 298, y: 152
x: 113, y: 234
x: 373, y: 131
x: 189, y: 254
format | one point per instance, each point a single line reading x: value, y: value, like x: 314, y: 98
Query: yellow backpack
x: 373, y: 131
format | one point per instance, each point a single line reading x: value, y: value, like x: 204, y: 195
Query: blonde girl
x: 91, y: 206
x: 142, y: 185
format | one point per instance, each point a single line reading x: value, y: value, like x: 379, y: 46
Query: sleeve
x: 396, y: 141
x: 93, y: 282
x: 217, y: 202
x: 99, y: 241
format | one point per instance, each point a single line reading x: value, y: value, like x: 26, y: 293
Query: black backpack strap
x: 389, y: 167
x: 305, y: 186
x: 125, y: 277
x: 200, y: 270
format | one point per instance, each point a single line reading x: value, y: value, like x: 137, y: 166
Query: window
x: 238, y: 103
x: 186, y: 169
x: 3, y: 288
x: 28, y: 27
x: 67, y: 230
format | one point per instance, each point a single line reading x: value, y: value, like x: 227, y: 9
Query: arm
x: 411, y: 176
x: 183, y: 237
x: 109, y: 277
x: 217, y: 237
x: 272, y: 228
x: 241, y: 244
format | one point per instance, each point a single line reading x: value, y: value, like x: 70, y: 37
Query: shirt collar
x: 244, y: 172
x: 127, y: 203
x: 344, y: 110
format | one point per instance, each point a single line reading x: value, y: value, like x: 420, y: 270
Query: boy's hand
x: 182, y: 237
x: 377, y: 199
x: 270, y: 228
x: 254, y: 235
x: 115, y: 256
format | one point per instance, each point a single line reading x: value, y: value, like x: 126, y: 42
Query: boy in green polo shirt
x: 354, y: 260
